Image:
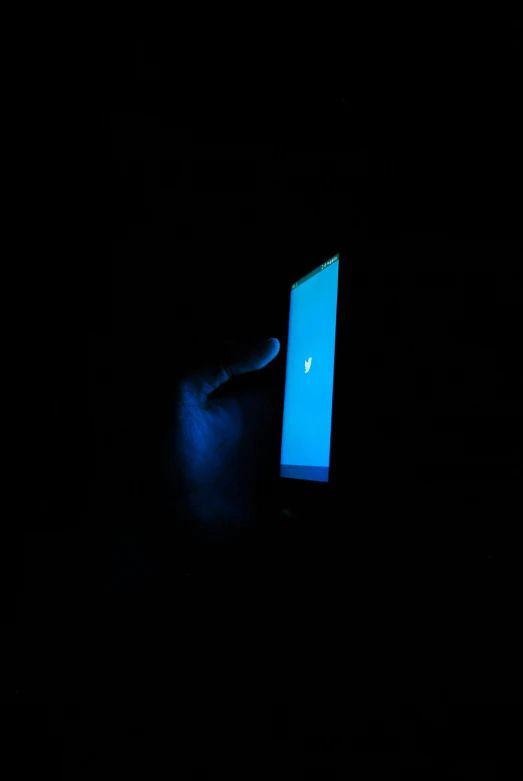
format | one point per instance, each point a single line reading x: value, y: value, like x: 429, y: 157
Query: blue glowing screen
x: 309, y: 382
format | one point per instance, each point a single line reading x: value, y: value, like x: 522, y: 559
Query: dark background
x: 201, y: 214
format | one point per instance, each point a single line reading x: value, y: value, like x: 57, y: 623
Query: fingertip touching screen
x: 309, y: 380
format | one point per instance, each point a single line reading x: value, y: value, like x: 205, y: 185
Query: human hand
x: 216, y: 434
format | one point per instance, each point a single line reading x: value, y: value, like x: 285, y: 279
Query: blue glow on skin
x: 214, y: 439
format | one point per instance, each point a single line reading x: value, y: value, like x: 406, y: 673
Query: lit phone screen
x: 309, y: 380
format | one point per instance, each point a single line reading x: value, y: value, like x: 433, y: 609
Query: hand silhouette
x: 216, y: 432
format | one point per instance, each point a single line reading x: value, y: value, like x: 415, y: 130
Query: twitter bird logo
x: 308, y: 365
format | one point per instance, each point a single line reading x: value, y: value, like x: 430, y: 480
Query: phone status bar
x: 316, y: 271
x: 330, y: 262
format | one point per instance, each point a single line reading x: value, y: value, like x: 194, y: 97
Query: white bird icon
x: 308, y: 365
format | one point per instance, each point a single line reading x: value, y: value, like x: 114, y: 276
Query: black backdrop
x: 200, y: 232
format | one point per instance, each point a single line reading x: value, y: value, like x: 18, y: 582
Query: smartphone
x: 309, y: 375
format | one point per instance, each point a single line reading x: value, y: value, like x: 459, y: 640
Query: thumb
x: 243, y: 357
x: 236, y: 358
